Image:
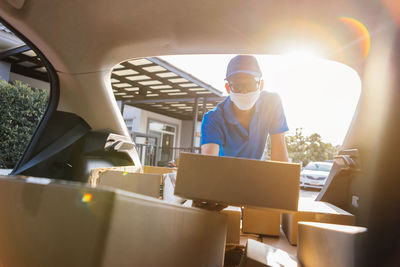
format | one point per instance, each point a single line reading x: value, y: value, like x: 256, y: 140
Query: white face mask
x: 245, y: 101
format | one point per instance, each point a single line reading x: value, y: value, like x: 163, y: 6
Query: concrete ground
x: 309, y: 193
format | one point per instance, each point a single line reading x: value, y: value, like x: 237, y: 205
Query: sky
x: 318, y: 95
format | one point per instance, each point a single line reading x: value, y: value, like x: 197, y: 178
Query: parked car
x: 315, y: 174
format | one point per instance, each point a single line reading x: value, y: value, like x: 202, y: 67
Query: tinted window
x: 318, y: 167
x: 24, y: 96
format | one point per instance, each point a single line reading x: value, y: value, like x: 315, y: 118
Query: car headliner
x: 81, y: 37
x: 84, y: 40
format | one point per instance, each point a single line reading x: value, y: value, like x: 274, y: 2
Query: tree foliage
x: 21, y: 108
x: 304, y: 149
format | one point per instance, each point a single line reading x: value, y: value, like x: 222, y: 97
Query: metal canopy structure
x: 155, y: 85
x: 24, y: 61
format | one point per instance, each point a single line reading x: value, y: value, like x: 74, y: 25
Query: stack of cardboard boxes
x: 80, y: 225
x: 313, y: 211
x: 268, y: 193
x: 46, y: 222
x: 263, y: 188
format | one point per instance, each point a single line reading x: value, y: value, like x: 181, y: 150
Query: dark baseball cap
x: 243, y: 64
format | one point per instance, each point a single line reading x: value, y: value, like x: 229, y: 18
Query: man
x: 239, y: 126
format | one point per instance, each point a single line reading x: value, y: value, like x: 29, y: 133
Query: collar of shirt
x: 231, y: 118
x: 228, y: 111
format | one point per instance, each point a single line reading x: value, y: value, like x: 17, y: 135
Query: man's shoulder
x: 269, y: 101
x: 217, y: 112
x: 269, y: 97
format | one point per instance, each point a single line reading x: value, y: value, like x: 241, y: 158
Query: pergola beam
x: 29, y: 72
x: 153, y: 77
x: 14, y: 51
x: 162, y: 112
x: 184, y: 75
x: 166, y: 100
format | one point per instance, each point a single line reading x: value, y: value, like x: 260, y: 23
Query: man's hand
x: 208, y: 205
x: 210, y: 149
x: 278, y: 147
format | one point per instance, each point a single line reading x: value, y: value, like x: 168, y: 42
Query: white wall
x: 147, y: 115
x: 134, y: 114
x: 5, y: 70
x: 141, y: 119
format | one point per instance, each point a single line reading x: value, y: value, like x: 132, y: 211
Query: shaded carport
x: 155, y: 85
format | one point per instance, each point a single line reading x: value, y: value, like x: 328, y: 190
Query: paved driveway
x: 308, y: 194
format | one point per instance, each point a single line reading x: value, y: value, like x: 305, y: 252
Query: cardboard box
x: 328, y: 245
x: 57, y: 223
x: 141, y: 183
x: 259, y: 254
x: 95, y: 173
x: 238, y: 182
x: 147, y: 181
x: 261, y: 221
x: 234, y: 215
x: 313, y: 211
x: 159, y: 170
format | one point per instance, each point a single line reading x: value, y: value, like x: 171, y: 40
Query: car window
x: 163, y: 91
x: 311, y: 167
x: 318, y: 167
x: 24, y: 96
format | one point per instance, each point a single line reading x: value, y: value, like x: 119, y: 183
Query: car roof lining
x: 111, y: 33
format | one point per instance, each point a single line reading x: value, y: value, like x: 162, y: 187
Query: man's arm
x: 210, y: 149
x: 278, y: 147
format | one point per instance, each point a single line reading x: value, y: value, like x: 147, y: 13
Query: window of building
x: 166, y: 135
x: 129, y: 124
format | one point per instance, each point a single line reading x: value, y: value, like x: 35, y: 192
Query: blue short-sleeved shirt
x: 220, y: 126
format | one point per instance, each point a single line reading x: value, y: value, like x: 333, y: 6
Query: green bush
x: 21, y: 108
